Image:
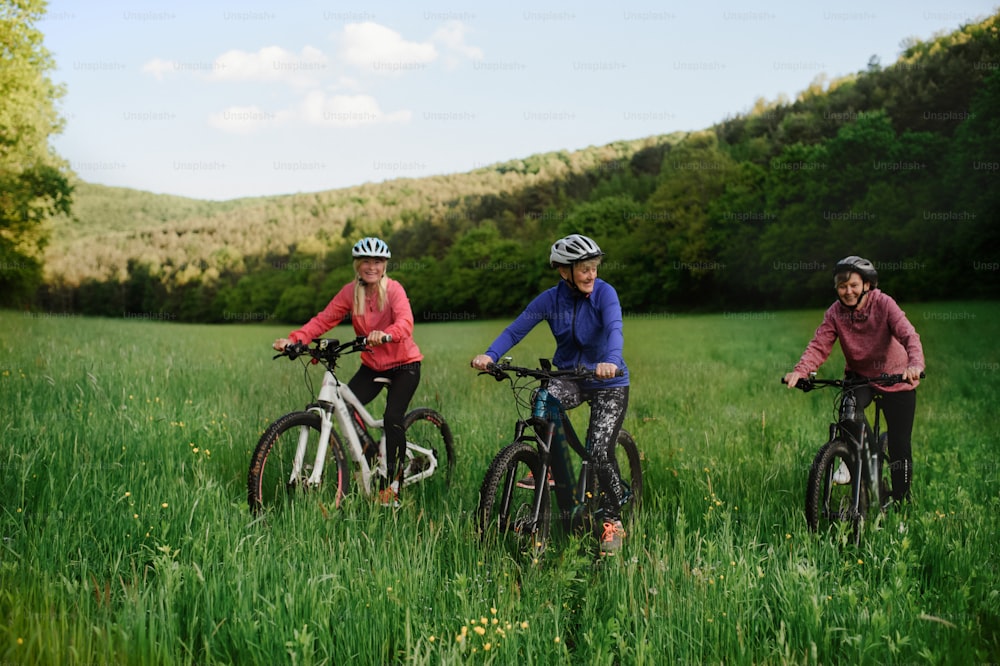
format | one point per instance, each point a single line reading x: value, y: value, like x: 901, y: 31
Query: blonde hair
x: 359, y: 291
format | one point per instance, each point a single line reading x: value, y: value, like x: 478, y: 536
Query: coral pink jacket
x: 396, y: 320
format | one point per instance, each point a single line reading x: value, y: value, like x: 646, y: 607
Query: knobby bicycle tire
x: 505, y: 509
x: 427, y: 428
x: 269, y: 483
x: 628, y: 465
x: 829, y: 504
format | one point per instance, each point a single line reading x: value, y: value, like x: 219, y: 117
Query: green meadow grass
x: 126, y: 536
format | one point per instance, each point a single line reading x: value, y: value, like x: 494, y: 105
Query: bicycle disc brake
x: 522, y: 523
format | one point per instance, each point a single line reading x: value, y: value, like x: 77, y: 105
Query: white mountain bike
x: 293, y: 453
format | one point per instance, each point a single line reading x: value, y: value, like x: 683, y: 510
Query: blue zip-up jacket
x: 587, y: 329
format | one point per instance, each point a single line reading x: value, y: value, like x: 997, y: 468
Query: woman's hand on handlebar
x: 912, y: 375
x: 791, y: 380
x: 606, y: 370
x: 280, y: 344
x: 376, y: 338
x: 481, y: 362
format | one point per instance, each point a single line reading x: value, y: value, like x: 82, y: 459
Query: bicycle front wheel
x: 429, y: 442
x: 830, y: 496
x: 512, y: 488
x: 284, y: 460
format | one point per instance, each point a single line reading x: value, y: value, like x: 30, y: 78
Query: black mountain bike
x: 515, y: 503
x: 846, y: 477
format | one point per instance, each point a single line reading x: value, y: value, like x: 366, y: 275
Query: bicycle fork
x: 305, y: 432
x: 865, y: 466
x: 324, y: 409
x: 557, y: 453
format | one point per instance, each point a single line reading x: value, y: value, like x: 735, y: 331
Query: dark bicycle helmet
x: 573, y: 248
x: 371, y: 247
x: 859, y: 265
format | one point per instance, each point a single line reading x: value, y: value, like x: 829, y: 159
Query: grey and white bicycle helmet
x: 371, y: 247
x: 859, y: 265
x: 573, y: 248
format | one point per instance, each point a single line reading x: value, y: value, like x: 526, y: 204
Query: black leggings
x: 607, y: 412
x: 898, y: 408
x: 405, y: 379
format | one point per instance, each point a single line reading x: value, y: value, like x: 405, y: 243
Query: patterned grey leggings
x: 607, y: 412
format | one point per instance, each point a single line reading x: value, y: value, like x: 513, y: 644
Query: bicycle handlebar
x: 500, y: 371
x: 805, y: 385
x: 328, y: 349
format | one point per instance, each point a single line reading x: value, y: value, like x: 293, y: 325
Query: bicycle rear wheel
x: 428, y: 434
x: 829, y: 503
x: 506, y: 509
x: 628, y: 466
x: 275, y: 480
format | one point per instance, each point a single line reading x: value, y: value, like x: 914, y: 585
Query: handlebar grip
x: 294, y: 350
x: 494, y: 370
x: 803, y: 384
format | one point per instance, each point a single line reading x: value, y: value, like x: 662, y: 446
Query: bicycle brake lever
x: 293, y: 351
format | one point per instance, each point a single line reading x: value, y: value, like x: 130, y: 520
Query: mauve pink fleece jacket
x: 876, y: 339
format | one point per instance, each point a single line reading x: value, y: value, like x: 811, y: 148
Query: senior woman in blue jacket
x: 585, y: 317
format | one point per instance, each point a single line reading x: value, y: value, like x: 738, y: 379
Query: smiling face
x: 582, y: 274
x: 851, y: 291
x: 370, y: 269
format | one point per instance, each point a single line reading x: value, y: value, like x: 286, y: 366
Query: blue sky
x: 234, y: 99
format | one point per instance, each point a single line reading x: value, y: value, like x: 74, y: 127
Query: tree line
x: 899, y: 163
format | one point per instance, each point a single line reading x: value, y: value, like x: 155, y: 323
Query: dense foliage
x: 897, y: 163
x: 34, y: 183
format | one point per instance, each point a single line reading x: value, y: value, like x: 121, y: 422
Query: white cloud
x: 158, y: 67
x: 368, y: 46
x: 272, y: 64
x: 383, y: 50
x: 317, y: 109
x: 347, y: 111
x: 452, y: 36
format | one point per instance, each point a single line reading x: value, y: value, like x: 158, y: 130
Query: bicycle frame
x: 853, y: 441
x: 554, y: 436
x: 850, y: 419
x: 335, y: 402
x: 544, y: 438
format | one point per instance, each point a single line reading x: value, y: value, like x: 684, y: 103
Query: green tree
x: 695, y: 173
x: 486, y: 273
x: 296, y: 304
x: 974, y: 183
x: 34, y: 182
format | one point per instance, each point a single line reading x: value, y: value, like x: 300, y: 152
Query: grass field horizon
x: 126, y: 536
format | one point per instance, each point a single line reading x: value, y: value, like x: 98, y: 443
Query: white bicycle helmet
x: 573, y: 248
x: 371, y: 247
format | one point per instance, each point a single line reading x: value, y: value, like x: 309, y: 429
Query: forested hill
x: 899, y: 162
